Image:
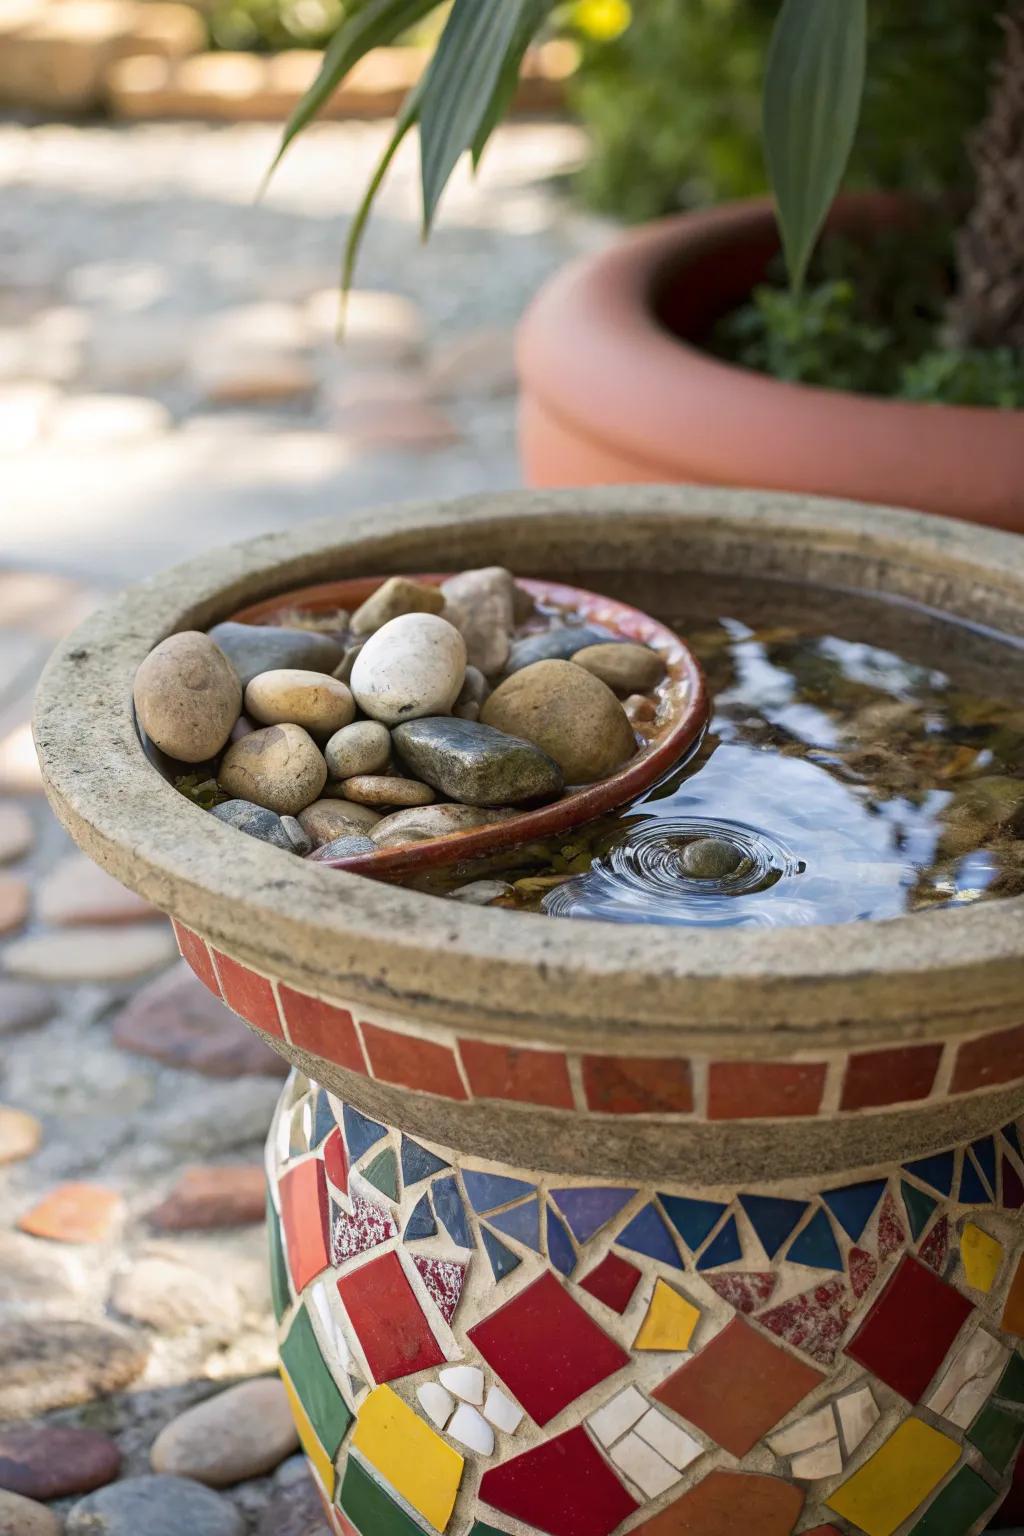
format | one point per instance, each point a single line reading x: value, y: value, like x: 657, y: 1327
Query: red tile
x: 745, y: 1293
x: 528, y: 1077
x: 563, y: 1487
x: 196, y: 954
x: 934, y: 1251
x: 322, y: 1028
x: 997, y: 1058
x: 368, y: 1227
x: 638, y: 1085
x: 1013, y: 1189
x: 765, y: 1090
x: 738, y: 1387
x: 890, y: 1077
x: 613, y: 1282
x: 305, y: 1213
x: 546, y: 1349
x: 413, y: 1063
x: 891, y: 1236
x: 863, y: 1268
x: 728, y: 1503
x: 1013, y: 1312
x: 814, y: 1322
x: 910, y: 1329
x: 249, y: 995
x: 444, y: 1280
x: 336, y: 1160
x: 394, y: 1335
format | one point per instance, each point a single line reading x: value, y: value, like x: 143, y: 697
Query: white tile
x: 823, y: 1461
x: 858, y: 1414
x: 813, y: 1429
x: 668, y: 1439
x: 966, y: 1385
x: 613, y: 1420
x: 643, y: 1466
x: 471, y: 1430
x: 465, y: 1381
x: 437, y: 1404
x: 502, y: 1411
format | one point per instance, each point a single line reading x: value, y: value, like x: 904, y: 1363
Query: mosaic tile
x: 994, y: 1058
x: 524, y: 1076
x: 409, y: 1062
x: 588, y: 1210
x: 488, y: 1191
x: 637, y: 1085
x: 502, y: 1412
x: 984, y: 1154
x: 814, y: 1322
x: 444, y: 1280
x: 437, y: 1403
x: 1013, y: 1312
x: 418, y: 1163
x: 471, y: 1429
x: 322, y: 1028
x: 560, y: 1250
x: 386, y: 1317
x: 747, y: 1293
x: 451, y: 1213
x: 642, y: 1465
x: 937, y: 1171
x: 858, y: 1413
x: 897, y: 1479
x: 765, y: 1090
x: 326, y: 1316
x: 670, y: 1323
x: 934, y: 1251
x: 694, y: 1220
x: 891, y: 1235
x: 997, y: 1434
x: 727, y: 1503
x: 305, y: 1209
x: 862, y: 1268
x: 973, y: 1189
x: 195, y: 952
x: 738, y: 1387
x: 823, y: 1462
x: 336, y: 1161
x: 773, y: 1220
x: 367, y: 1227
x: 613, y: 1282
x: 678, y: 1448
x: 502, y: 1260
x: 360, y: 1133
x: 982, y: 1258
x: 618, y: 1416
x: 315, y: 1452
x: 648, y: 1234
x: 541, y: 1325
x: 816, y: 1246
x: 896, y: 1076
x: 280, y: 1293
x: 1013, y: 1187
x: 382, y: 1173
x: 563, y: 1487
x: 958, y: 1507
x: 813, y: 1430
x: 1012, y: 1135
x: 854, y: 1205
x: 466, y: 1381
x: 421, y: 1223
x: 415, y: 1461
x: 920, y: 1208
x: 522, y: 1222
x: 248, y: 994
x: 910, y: 1329
x: 725, y: 1248
x: 323, y: 1120
x: 968, y: 1379
x: 322, y: 1402
x: 479, y: 1529
x: 1011, y: 1383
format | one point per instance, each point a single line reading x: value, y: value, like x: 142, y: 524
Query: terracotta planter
x: 616, y: 389
x: 726, y: 1231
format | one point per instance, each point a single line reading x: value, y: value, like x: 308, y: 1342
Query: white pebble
x: 412, y: 667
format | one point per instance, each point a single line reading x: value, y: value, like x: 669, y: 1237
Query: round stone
x: 476, y: 764
x: 556, y: 644
x: 299, y: 839
x: 16, y: 833
x: 53, y: 1461
x: 321, y: 705
x: 256, y: 821
x: 474, y: 691
x: 397, y: 596
x: 57, y: 1362
x: 344, y: 848
x: 414, y: 666
x: 20, y: 1135
x: 481, y: 604
x: 481, y: 893
x: 23, y: 1005
x: 623, y: 665
x: 244, y: 1432
x: 213, y: 1195
x: 256, y: 648
x: 712, y: 858
x: 155, y: 1506
x: 387, y: 789
x: 329, y: 819
x: 23, y: 1517
x: 187, y: 697
x: 567, y: 712
x: 280, y: 767
x: 364, y: 747
x: 429, y: 821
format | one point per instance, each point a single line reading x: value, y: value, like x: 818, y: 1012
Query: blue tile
x: 421, y: 1222
x: 973, y: 1190
x: 451, y: 1212
x: 418, y: 1163
x: 360, y: 1133
x: 487, y: 1191
x: 694, y: 1220
x: 648, y: 1234
x: 1013, y: 1137
x: 937, y: 1171
x: 985, y: 1156
x: 588, y: 1210
x: 522, y: 1222
x: 503, y: 1260
x: 773, y: 1219
x: 323, y: 1120
x: 920, y: 1207
x: 854, y: 1205
x: 560, y: 1250
x: 724, y: 1249
x: 816, y: 1247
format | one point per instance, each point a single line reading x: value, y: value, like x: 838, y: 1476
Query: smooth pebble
x: 567, y: 712
x: 326, y: 820
x: 475, y: 764
x: 364, y: 747
x: 242, y: 1433
x: 280, y: 767
x: 187, y: 697
x: 414, y: 666
x: 397, y: 596
x: 155, y: 1506
x: 425, y: 822
x: 623, y: 665
x: 256, y: 648
x: 320, y: 704
x: 387, y: 789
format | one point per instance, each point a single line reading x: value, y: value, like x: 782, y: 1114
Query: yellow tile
x: 308, y: 1436
x: 407, y: 1454
x: 982, y: 1257
x: 898, y: 1478
x: 670, y: 1321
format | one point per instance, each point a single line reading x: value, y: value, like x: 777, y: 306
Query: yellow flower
x: 602, y: 20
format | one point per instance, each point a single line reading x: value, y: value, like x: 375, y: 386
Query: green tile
x: 383, y: 1173
x: 372, y: 1511
x: 960, y: 1504
x: 998, y: 1435
x: 328, y: 1412
x: 280, y: 1292
x: 486, y: 1530
x: 1011, y: 1384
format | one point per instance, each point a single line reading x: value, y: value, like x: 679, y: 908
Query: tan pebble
x: 364, y: 747
x: 78, y: 891
x: 571, y: 715
x: 16, y: 834
x: 13, y: 902
x: 24, y: 1517
x: 640, y: 709
x: 239, y: 1434
x: 20, y: 1135
x: 88, y: 953
x: 623, y: 665
x: 326, y: 820
x: 387, y: 789
x: 398, y: 595
x: 280, y: 767
x: 422, y: 823
x: 481, y: 604
x: 320, y: 704
x: 187, y: 697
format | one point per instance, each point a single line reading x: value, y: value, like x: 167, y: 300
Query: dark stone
x: 256, y: 648
x: 155, y: 1506
x: 60, y: 1362
x: 23, y: 1005
x: 213, y: 1196
x: 177, y: 1021
x: 712, y: 858
x: 295, y: 1508
x: 52, y: 1461
x: 256, y: 821
x: 476, y: 764
x: 557, y: 644
x: 349, y: 847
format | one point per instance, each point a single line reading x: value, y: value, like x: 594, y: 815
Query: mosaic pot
x: 579, y: 1228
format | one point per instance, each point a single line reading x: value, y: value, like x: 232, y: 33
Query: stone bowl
x: 725, y: 1227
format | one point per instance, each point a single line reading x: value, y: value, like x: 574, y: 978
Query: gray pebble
x: 480, y: 893
x: 256, y: 821
x: 344, y: 848
x: 297, y: 835
x: 475, y: 764
x: 155, y: 1506
x: 712, y: 858
x: 554, y: 645
x: 256, y: 648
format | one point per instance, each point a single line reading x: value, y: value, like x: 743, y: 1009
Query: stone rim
x: 937, y: 974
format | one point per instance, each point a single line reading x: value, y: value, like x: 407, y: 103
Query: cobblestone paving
x: 169, y: 381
